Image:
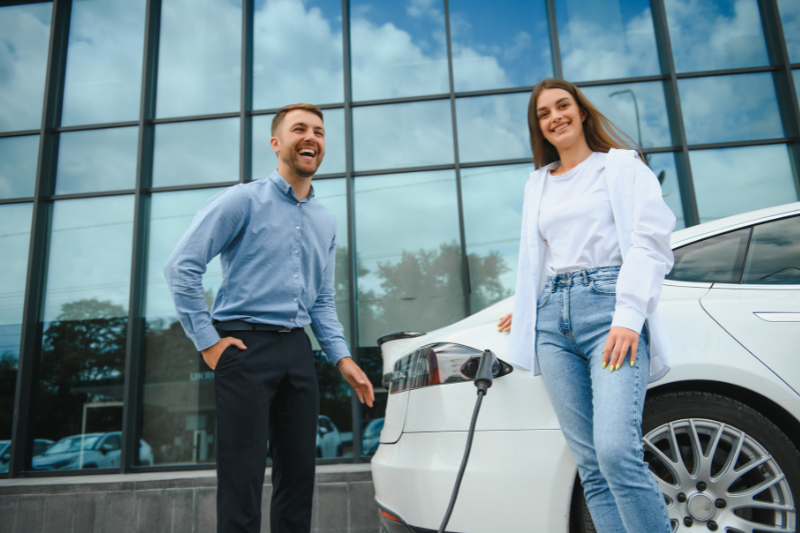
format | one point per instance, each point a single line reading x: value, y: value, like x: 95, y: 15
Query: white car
x: 91, y: 450
x: 329, y: 440
x: 721, y: 429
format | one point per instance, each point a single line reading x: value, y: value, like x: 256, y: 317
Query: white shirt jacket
x: 643, y: 224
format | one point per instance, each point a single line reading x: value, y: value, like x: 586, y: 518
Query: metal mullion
x: 493, y: 92
x: 617, y: 81
x: 194, y: 187
x: 465, y: 281
x: 351, y: 221
x: 685, y: 181
x: 274, y: 110
x: 25, y: 200
x: 21, y: 133
x: 555, y: 47
x: 725, y: 72
x: 134, y: 346
x: 402, y: 100
x: 245, y: 119
x: 31, y: 334
x: 79, y: 195
x: 784, y: 81
x: 741, y: 144
x: 382, y: 171
x: 194, y: 118
x: 84, y: 127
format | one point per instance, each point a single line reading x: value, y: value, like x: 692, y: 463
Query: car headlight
x: 438, y: 364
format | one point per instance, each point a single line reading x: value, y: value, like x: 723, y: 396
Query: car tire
x: 727, y: 431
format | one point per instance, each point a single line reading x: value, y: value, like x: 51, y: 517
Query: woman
x: 593, y: 255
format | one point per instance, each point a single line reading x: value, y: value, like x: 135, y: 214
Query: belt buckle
x: 284, y: 330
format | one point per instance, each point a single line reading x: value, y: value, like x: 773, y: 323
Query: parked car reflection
x: 371, y: 436
x: 91, y: 450
x: 39, y: 447
x: 329, y: 440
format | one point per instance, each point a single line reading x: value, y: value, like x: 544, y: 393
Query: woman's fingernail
x: 603, y: 351
x: 618, y: 365
x: 631, y: 363
x: 605, y: 364
x: 611, y: 368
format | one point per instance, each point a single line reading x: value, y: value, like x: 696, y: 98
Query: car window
x: 113, y: 441
x: 40, y: 446
x: 774, y: 254
x: 717, y: 260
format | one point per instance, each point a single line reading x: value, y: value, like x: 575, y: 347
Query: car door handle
x: 779, y: 317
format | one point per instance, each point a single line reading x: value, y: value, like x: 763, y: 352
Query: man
x: 277, y: 246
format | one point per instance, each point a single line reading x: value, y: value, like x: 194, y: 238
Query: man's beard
x: 294, y: 162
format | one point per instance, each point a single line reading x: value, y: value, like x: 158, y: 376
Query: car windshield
x: 72, y: 444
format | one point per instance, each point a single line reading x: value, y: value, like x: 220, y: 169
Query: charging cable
x: 483, y: 381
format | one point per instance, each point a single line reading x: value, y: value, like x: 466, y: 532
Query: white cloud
x: 790, y: 16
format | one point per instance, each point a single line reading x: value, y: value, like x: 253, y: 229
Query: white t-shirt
x: 576, y: 221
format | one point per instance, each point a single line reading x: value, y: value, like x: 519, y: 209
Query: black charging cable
x: 483, y: 380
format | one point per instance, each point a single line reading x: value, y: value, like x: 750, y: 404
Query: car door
x: 110, y: 459
x: 762, y: 311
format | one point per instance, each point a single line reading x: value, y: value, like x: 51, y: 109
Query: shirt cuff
x: 206, y: 338
x: 337, y: 355
x: 628, y: 318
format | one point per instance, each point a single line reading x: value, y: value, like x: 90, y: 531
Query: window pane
x: 26, y: 35
x: 398, y: 50
x: 199, y: 57
x: 605, y: 40
x: 18, y: 166
x: 409, y: 257
x: 639, y: 109
x: 718, y: 259
x: 505, y: 46
x: 493, y: 127
x: 104, y: 62
x: 421, y: 133
x: 796, y: 76
x: 179, y: 412
x: 15, y: 221
x: 790, y: 17
x: 665, y: 169
x: 85, y: 325
x: 287, y: 70
x: 492, y: 221
x: 97, y: 160
x: 730, y: 181
x: 204, y: 151
x: 265, y: 160
x: 730, y: 108
x: 774, y: 254
x: 716, y: 34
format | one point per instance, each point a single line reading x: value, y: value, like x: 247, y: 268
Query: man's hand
x: 212, y: 353
x: 619, y: 341
x: 358, y: 379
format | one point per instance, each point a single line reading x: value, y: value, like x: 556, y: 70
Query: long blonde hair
x: 601, y: 134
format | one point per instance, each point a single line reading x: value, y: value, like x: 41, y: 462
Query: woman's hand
x: 619, y: 341
x: 505, y: 323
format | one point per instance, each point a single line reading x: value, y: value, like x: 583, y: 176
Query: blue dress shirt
x: 278, y: 258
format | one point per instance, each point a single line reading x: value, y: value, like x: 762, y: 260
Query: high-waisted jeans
x: 600, y: 412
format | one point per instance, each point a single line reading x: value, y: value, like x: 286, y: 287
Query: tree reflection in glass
x: 81, y: 374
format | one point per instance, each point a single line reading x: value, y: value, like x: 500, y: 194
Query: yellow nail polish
x: 631, y: 363
x: 605, y: 364
x: 603, y: 351
x: 618, y: 365
x: 499, y: 329
x: 611, y: 368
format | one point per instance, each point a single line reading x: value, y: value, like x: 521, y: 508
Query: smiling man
x: 277, y: 246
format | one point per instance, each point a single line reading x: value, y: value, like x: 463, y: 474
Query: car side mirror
x: 105, y: 448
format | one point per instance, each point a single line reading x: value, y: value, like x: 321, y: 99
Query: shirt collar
x: 286, y: 189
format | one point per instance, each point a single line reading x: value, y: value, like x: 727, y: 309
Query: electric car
x: 91, y: 450
x: 721, y: 428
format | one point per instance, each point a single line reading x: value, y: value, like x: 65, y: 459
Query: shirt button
x: 294, y: 299
x: 291, y: 320
x: 285, y: 190
x: 296, y: 252
x: 298, y: 204
x: 295, y: 275
x: 297, y: 227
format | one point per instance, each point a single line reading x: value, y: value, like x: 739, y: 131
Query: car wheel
x: 719, y: 463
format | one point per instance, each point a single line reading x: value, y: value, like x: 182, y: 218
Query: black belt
x: 241, y: 325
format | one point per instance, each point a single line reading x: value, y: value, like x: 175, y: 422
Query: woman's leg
x: 567, y: 377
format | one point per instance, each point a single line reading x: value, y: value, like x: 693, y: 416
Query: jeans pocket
x: 604, y: 287
x: 544, y: 297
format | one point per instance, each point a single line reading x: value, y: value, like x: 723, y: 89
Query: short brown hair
x: 282, y: 112
x: 601, y: 134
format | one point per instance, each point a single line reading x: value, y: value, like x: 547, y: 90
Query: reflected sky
x: 265, y: 160
x: 199, y: 57
x: 398, y: 48
x: 400, y: 213
x: 493, y: 198
x: 740, y: 174
x: 104, y: 62
x: 619, y: 104
x: 15, y: 234
x: 97, y: 160
x: 288, y: 69
x: 790, y: 17
x: 604, y: 40
x: 421, y: 133
x: 205, y: 151
x: 18, y: 166
x: 505, y: 46
x: 715, y: 34
x: 25, y: 32
x: 493, y: 127
x: 79, y: 269
x: 171, y: 213
x: 670, y: 187
x: 730, y: 108
x: 796, y: 76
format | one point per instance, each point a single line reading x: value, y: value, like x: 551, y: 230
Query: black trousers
x: 267, y: 393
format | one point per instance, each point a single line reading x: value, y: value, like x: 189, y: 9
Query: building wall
x: 120, y: 118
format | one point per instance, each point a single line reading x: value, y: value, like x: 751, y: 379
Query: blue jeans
x: 600, y: 412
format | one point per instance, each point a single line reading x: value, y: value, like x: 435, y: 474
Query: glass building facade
x: 120, y: 118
